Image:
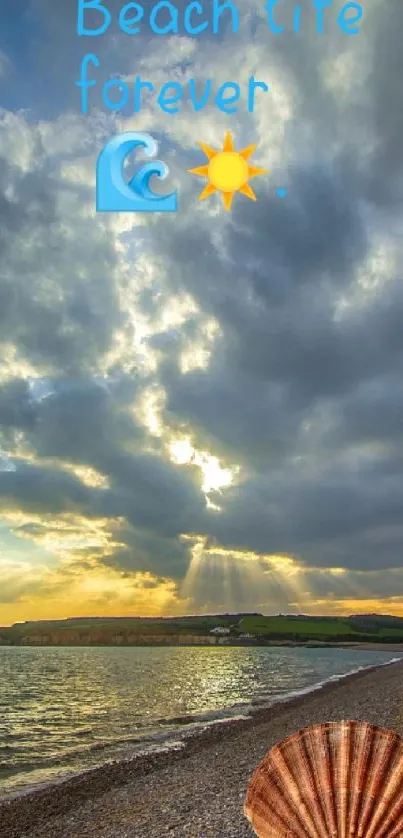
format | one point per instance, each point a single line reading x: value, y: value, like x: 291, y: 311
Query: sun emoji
x: 228, y: 171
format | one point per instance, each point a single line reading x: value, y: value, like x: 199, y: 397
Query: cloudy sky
x: 202, y: 411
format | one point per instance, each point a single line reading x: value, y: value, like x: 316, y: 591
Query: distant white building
x: 220, y: 630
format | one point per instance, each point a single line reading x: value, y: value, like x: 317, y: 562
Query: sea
x: 65, y: 710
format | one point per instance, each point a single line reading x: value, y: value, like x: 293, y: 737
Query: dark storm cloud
x: 148, y: 552
x: 31, y: 205
x: 38, y: 489
x: 157, y: 507
x: 272, y: 294
x: 386, y: 103
x: 55, y: 318
x: 342, y: 514
x: 279, y: 364
x: 16, y: 409
x: 91, y: 424
x: 365, y: 118
x: 149, y: 490
x: 298, y: 388
x: 69, y: 415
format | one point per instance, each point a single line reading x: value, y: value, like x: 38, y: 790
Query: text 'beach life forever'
x: 215, y: 17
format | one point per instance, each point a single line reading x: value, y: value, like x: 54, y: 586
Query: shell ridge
x: 365, y: 791
x: 332, y: 805
x: 315, y: 798
x: 390, y: 801
x: 318, y: 773
x: 382, y: 756
x: 342, y: 777
x: 300, y: 809
x: 396, y: 832
x: 362, y: 758
x: 332, y: 780
x: 279, y: 813
x: 319, y: 758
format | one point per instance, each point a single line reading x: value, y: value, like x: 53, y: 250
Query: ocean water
x: 63, y: 710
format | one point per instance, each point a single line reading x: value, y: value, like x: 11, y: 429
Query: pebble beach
x: 197, y: 792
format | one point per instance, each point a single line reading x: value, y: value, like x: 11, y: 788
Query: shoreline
x: 25, y: 811
x: 184, y: 736
x: 204, y: 642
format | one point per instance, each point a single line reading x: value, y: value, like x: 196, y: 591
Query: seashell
x: 333, y: 780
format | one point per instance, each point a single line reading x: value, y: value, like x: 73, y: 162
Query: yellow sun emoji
x: 227, y: 171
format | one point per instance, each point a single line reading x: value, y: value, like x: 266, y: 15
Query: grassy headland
x: 236, y: 628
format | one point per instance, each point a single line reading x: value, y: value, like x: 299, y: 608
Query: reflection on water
x: 64, y: 708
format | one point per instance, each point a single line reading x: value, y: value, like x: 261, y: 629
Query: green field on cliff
x: 372, y: 628
x: 287, y: 625
x: 132, y: 630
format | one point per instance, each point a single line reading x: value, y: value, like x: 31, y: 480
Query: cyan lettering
x: 98, y: 7
x: 127, y: 25
x: 224, y: 104
x: 199, y: 104
x: 166, y: 102
x: 138, y: 87
x: 197, y: 8
x: 347, y: 24
x: 297, y: 19
x: 115, y: 106
x: 320, y: 5
x: 218, y: 9
x: 277, y: 30
x: 84, y: 83
x: 172, y: 26
x: 251, y: 92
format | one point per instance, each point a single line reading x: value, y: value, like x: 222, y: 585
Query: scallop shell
x: 334, y: 780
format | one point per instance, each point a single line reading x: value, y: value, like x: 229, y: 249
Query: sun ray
x: 228, y: 198
x: 201, y: 171
x: 228, y: 171
x: 247, y: 152
x: 208, y: 190
x: 255, y: 170
x: 228, y: 142
x: 247, y: 190
x: 209, y: 152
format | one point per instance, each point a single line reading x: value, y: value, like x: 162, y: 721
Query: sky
x: 202, y: 411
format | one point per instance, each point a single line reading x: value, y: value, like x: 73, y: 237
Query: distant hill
x: 132, y: 631
x: 116, y: 631
x: 358, y: 628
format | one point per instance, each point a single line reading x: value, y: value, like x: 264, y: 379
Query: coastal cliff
x: 96, y: 638
x: 213, y: 629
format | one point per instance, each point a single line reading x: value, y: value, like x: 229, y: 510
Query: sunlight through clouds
x: 204, y: 412
x: 235, y: 580
x: 214, y: 476
x: 65, y: 536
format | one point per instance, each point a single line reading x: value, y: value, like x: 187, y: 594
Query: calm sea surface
x: 64, y: 709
